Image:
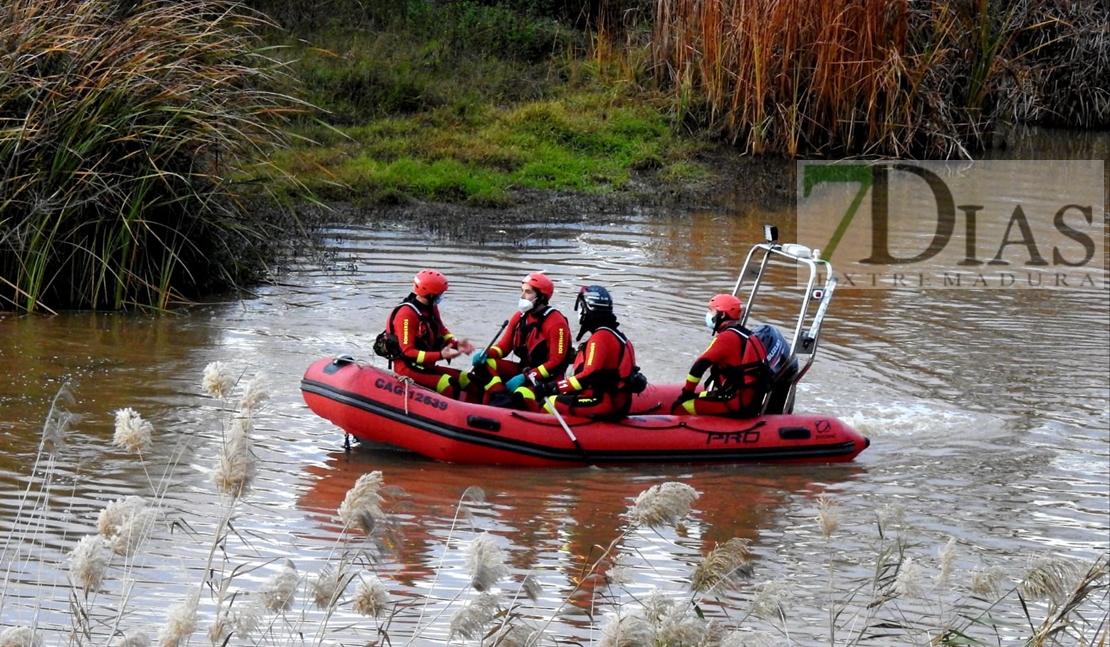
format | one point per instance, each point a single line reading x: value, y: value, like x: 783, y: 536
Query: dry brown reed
x: 726, y: 567
x: 819, y: 77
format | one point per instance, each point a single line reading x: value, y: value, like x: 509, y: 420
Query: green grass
x: 581, y: 141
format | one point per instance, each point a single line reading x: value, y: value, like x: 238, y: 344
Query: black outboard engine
x: 783, y: 368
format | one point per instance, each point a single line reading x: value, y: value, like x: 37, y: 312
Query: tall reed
x: 912, y: 595
x: 894, y: 78
x: 124, y: 128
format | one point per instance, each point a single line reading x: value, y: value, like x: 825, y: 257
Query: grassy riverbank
x: 465, y: 103
x: 153, y: 151
x: 475, y: 105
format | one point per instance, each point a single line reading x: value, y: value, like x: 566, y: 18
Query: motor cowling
x: 783, y: 367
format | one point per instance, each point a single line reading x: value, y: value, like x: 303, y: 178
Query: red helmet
x: 429, y: 283
x: 540, y: 283
x: 728, y: 305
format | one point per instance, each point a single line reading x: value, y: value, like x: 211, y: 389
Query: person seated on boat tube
x: 537, y: 334
x: 604, y: 374
x: 737, y: 363
x: 424, y: 340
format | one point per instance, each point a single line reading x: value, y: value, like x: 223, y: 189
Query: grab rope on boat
x: 406, y: 380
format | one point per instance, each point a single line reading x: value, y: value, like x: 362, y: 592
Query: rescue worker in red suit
x: 599, y: 383
x: 424, y: 340
x: 537, y: 334
x: 737, y: 364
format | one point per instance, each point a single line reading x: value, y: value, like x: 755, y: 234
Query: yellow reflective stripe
x: 492, y: 363
x: 542, y: 370
x: 500, y: 354
x: 573, y: 381
x: 527, y: 393
x: 464, y: 380
x: 444, y: 383
x: 692, y: 379
x: 448, y: 337
x: 495, y: 380
x: 689, y: 406
x: 420, y: 357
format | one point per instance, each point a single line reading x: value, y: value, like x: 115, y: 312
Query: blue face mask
x: 711, y: 320
x: 438, y: 300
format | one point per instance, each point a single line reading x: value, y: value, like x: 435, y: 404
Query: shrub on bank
x: 121, y: 128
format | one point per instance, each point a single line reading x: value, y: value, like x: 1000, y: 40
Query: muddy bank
x: 734, y: 183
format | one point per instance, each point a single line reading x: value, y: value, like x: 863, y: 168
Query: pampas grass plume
x: 181, y: 620
x: 89, y: 560
x: 908, y: 581
x: 663, y: 504
x: 20, y: 637
x: 133, y: 434
x: 749, y: 639
x: 628, y: 631
x: 770, y: 602
x: 277, y: 592
x: 136, y: 639
x: 116, y: 513
x: 514, y: 635
x: 237, y: 465
x: 485, y: 560
x: 947, y: 557
x: 725, y: 567
x: 988, y: 583
x: 828, y: 517
x: 218, y: 380
x: 58, y: 422
x: 532, y: 587
x: 620, y: 570
x: 470, y: 621
x: 133, y: 531
x: 362, y: 506
x: 371, y: 597
x: 256, y: 392
x: 327, y: 587
x: 1048, y: 578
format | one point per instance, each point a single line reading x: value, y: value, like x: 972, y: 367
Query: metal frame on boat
x: 820, y: 283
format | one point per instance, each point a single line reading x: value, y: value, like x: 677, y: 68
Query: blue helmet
x: 594, y: 298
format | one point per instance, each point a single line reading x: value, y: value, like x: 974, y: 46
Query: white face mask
x: 710, y: 320
x: 524, y: 305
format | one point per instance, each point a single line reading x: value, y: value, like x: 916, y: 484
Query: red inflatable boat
x: 373, y: 404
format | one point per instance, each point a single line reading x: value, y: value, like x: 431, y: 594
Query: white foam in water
x: 879, y: 413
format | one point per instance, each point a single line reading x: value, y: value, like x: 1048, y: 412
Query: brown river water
x: 988, y: 411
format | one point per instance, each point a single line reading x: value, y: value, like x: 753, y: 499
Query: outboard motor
x: 783, y: 367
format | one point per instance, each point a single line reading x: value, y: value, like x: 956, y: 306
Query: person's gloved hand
x: 515, y: 382
x: 479, y: 358
x: 683, y: 397
x: 545, y: 389
x: 533, y: 376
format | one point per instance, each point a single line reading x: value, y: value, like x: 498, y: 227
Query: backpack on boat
x: 386, y: 343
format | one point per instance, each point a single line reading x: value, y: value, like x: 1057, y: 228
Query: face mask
x: 438, y: 300
x: 524, y: 305
x: 710, y: 320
